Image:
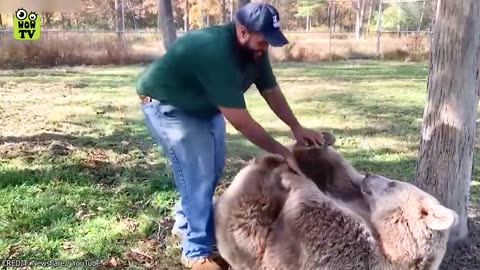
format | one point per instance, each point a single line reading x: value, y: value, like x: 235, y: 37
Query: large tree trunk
x: 444, y: 167
x: 167, y: 26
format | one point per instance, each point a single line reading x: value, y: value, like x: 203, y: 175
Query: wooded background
x: 296, y: 15
x: 317, y: 30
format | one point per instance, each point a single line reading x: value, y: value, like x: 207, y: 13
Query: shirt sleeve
x: 221, y: 80
x: 266, y: 79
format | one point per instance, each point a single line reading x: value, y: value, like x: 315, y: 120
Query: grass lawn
x: 80, y: 178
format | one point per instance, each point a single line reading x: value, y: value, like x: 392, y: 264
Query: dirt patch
x: 30, y: 150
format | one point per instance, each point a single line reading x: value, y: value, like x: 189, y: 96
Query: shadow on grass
x: 396, y: 119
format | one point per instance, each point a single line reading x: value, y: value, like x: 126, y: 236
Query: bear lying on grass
x: 272, y: 218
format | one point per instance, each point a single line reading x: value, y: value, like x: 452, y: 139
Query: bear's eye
x: 391, y: 186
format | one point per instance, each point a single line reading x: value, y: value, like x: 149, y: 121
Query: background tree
x: 308, y: 9
x: 167, y: 26
x: 445, y: 160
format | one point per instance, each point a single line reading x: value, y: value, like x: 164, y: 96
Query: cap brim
x: 276, y: 38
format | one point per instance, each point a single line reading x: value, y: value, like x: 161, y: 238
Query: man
x: 185, y: 96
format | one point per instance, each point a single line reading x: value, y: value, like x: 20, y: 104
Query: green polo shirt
x: 203, y: 70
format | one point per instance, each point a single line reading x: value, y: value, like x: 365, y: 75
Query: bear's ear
x: 329, y: 138
x: 438, y: 217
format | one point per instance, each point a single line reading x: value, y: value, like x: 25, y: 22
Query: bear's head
x: 412, y: 225
x: 330, y: 171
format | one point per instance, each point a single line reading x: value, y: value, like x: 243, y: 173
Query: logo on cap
x: 276, y: 22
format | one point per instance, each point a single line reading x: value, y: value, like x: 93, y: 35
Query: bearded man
x: 185, y: 96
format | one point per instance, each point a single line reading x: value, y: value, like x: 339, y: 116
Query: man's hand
x: 307, y: 136
x: 292, y: 163
x: 243, y: 122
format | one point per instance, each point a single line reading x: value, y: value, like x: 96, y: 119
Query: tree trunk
x: 307, y: 23
x: 118, y: 17
x: 359, y: 11
x: 167, y: 26
x: 186, y: 25
x: 379, y: 26
x: 224, y: 11
x: 232, y: 9
x: 421, y: 16
x: 334, y: 16
x: 445, y: 160
x: 369, y: 16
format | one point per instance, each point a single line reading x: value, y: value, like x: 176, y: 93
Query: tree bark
x: 369, y: 16
x: 167, y: 26
x: 186, y: 25
x: 223, y: 4
x: 445, y: 161
x: 118, y: 18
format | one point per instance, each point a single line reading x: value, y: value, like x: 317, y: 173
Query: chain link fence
x: 317, y: 30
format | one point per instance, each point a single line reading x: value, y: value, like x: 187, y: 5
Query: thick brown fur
x: 331, y: 172
x: 245, y: 212
x: 271, y: 218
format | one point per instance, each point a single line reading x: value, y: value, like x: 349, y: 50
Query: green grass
x: 80, y: 178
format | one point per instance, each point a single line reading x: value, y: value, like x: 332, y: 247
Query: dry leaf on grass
x: 112, y: 262
x: 140, y: 257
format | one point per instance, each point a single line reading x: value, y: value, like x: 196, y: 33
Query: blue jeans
x: 195, y: 147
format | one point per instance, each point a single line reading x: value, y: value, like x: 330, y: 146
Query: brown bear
x: 244, y: 213
x: 410, y: 228
x: 272, y: 218
x: 331, y: 172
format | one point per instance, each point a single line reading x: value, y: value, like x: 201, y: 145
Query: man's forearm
x: 242, y: 121
x: 279, y: 105
x: 259, y: 136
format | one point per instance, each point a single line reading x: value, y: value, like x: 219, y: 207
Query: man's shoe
x: 200, y: 263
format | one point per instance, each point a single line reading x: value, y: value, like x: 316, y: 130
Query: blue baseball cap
x: 264, y: 19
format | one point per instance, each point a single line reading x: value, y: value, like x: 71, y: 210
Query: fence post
x: 379, y: 26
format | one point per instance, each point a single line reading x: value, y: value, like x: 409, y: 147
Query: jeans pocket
x: 168, y: 111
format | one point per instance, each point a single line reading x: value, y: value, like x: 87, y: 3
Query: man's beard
x: 250, y: 54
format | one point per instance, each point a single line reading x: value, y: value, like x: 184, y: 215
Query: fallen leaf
x: 112, y: 262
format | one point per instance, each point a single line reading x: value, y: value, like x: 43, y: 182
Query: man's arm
x: 279, y: 105
x: 268, y: 87
x: 242, y: 121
